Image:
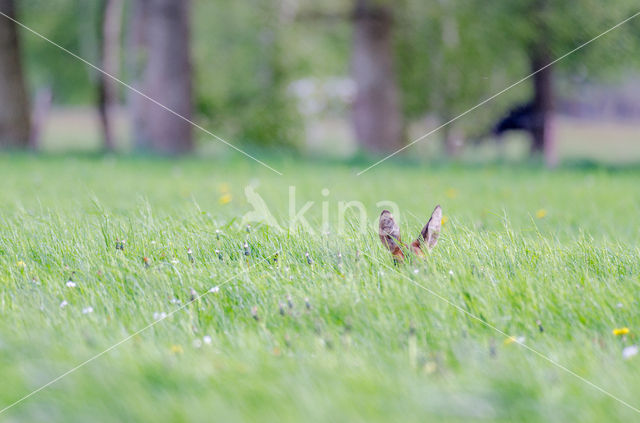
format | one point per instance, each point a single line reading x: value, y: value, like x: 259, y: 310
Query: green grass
x: 372, y: 346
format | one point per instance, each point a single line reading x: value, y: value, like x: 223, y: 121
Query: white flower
x: 416, y: 271
x: 207, y: 339
x: 64, y: 303
x: 159, y: 315
x: 175, y: 301
x: 629, y: 351
x: 214, y: 289
x: 71, y: 284
x: 451, y: 272
x: 87, y: 310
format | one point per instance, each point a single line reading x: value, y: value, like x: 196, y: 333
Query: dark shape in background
x: 14, y: 103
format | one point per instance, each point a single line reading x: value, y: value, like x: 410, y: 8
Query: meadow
x: 527, y: 260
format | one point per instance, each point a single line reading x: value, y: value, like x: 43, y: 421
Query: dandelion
x: 176, y: 349
x: 541, y: 214
x: 620, y: 331
x: 64, y: 303
x: 214, y: 289
x: 516, y: 339
x: 87, y: 310
x: 207, y: 340
x: 225, y: 198
x: 444, y: 220
x: 629, y: 351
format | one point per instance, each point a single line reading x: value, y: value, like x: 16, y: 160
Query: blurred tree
x: 107, y: 87
x: 243, y: 68
x: 446, y: 54
x: 544, y: 30
x: 166, y: 77
x: 14, y: 104
x: 376, y: 111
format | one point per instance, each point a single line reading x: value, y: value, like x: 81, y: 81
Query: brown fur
x: 390, y: 234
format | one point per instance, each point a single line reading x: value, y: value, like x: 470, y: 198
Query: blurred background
x: 338, y: 78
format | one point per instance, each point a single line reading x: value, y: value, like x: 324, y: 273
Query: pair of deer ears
x: 390, y: 234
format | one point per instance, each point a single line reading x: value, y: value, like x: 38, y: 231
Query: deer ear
x: 431, y: 230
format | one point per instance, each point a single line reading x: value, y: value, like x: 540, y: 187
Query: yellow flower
x: 21, y: 264
x: 512, y: 339
x: 444, y: 220
x: 621, y: 331
x: 541, y: 214
x: 225, y: 198
x: 176, y: 349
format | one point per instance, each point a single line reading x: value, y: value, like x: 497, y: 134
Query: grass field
x: 327, y: 339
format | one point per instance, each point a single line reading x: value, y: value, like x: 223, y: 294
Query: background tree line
x: 229, y: 65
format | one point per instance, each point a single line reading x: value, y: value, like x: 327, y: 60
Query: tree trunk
x: 136, y: 51
x: 376, y: 115
x: 39, y: 113
x: 543, y: 141
x: 108, y: 88
x: 14, y: 102
x: 167, y: 78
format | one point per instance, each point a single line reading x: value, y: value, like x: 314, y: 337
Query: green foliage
x: 71, y: 24
x: 240, y: 76
x: 449, y: 60
x: 452, y: 54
